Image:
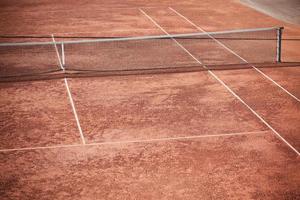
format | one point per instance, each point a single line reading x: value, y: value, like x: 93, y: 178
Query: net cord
x: 139, y: 38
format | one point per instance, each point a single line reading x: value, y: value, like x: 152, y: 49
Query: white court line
x: 74, y: 111
x: 137, y: 141
x: 220, y: 81
x: 234, y: 53
x: 70, y: 95
x: 57, y: 54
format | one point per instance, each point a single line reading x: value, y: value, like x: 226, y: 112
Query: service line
x: 166, y: 139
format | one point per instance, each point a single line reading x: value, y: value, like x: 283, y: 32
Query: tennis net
x: 162, y: 53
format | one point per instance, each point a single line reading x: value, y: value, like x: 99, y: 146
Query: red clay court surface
x: 227, y: 134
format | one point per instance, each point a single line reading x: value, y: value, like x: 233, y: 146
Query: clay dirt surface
x: 220, y: 134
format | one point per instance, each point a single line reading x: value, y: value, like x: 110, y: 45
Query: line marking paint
x: 75, y: 112
x: 234, y: 53
x: 227, y: 87
x: 70, y: 95
x: 138, y: 141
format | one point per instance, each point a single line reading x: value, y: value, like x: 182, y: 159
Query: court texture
x: 148, y: 100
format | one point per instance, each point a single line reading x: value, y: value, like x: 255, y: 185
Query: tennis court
x: 156, y: 100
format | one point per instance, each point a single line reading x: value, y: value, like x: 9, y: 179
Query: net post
x: 63, y: 54
x: 279, y: 41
